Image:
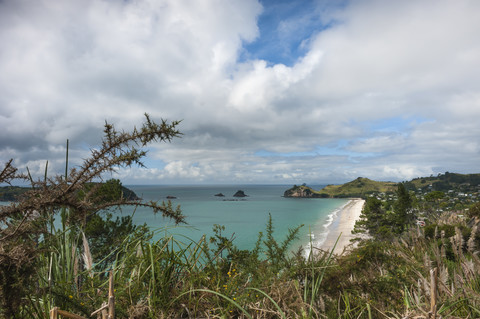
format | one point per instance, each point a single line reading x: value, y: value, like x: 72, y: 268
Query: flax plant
x: 317, y: 264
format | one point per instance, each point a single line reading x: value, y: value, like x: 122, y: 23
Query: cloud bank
x: 382, y: 89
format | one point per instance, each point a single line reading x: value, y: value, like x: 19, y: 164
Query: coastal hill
x: 445, y: 182
x: 357, y: 188
x: 14, y: 193
x: 362, y: 186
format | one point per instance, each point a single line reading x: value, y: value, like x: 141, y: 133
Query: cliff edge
x: 303, y: 191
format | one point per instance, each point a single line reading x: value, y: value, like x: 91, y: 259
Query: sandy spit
x: 342, y: 228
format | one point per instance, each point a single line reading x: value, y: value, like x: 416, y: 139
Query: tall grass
x: 179, y: 277
x: 458, y: 288
x: 174, y: 276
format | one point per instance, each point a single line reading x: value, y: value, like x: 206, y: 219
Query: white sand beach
x: 343, y: 226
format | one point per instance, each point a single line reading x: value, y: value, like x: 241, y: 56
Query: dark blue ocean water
x: 243, y: 218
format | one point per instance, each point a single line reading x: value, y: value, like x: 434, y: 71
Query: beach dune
x: 341, y: 229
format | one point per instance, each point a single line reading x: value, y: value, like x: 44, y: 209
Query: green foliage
x: 474, y: 211
x: 434, y: 196
x: 434, y: 231
x: 11, y: 193
x: 410, y: 186
x: 277, y: 253
x: 444, y: 182
x: 369, y: 274
x: 112, y: 186
x: 110, y: 191
x: 380, y: 223
x: 106, y: 234
x: 374, y: 220
x: 403, y: 214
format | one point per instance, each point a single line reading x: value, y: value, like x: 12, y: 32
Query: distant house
x: 421, y: 223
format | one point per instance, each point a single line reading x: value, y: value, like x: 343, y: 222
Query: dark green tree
x: 403, y: 212
x: 380, y: 223
x: 434, y: 196
x: 374, y: 220
x: 474, y: 211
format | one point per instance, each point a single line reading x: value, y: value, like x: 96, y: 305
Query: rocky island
x: 303, y: 191
x: 240, y: 193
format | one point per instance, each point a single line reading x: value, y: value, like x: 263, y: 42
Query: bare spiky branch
x: 118, y: 149
x: 9, y: 173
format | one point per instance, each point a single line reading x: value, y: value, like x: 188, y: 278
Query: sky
x: 269, y: 92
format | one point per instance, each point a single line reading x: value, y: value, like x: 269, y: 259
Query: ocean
x: 243, y: 218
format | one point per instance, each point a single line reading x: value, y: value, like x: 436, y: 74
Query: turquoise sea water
x: 244, y: 217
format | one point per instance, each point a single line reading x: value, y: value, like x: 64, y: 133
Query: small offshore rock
x: 240, y: 193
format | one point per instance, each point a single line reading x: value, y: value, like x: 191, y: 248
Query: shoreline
x: 342, y: 226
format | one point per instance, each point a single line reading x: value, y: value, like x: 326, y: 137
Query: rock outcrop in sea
x: 302, y: 192
x: 240, y: 193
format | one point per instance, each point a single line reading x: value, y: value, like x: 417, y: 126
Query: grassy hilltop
x: 358, y: 188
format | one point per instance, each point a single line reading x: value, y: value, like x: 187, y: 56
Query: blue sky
x: 285, y: 28
x: 283, y: 92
